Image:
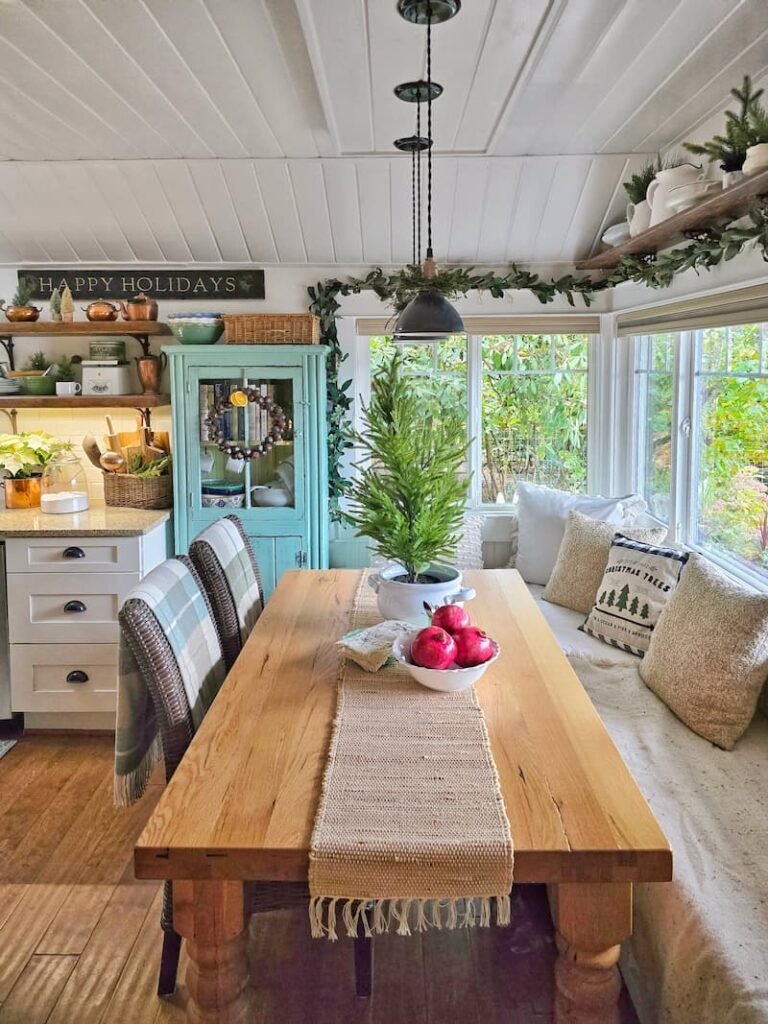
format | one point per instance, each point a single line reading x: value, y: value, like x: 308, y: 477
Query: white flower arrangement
x: 25, y: 455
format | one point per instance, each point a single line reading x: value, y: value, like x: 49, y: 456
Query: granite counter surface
x: 97, y: 521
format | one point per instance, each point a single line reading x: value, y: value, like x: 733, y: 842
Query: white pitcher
x: 638, y: 217
x: 658, y: 190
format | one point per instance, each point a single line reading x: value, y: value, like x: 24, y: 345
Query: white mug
x: 67, y: 387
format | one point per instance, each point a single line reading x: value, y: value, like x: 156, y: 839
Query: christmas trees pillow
x: 637, y: 583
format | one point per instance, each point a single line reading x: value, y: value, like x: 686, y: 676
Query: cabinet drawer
x: 58, y: 609
x: 73, y: 554
x: 64, y: 677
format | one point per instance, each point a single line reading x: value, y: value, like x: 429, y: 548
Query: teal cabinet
x: 268, y: 399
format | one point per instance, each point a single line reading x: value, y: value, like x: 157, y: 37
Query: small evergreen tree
x: 23, y: 293
x: 623, y: 600
x: 644, y: 612
x: 634, y: 605
x: 55, y: 304
x: 603, y: 597
x: 408, y: 497
x: 611, y: 599
x: 731, y: 149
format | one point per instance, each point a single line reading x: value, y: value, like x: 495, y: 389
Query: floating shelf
x: 724, y: 206
x: 83, y: 401
x: 142, y: 330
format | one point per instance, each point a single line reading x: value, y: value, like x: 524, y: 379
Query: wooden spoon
x: 112, y: 438
x: 112, y: 462
x: 92, y: 450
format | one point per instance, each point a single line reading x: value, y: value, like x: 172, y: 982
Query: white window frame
x: 474, y: 415
x: 685, y: 413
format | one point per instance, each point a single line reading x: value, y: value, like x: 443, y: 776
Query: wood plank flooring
x: 80, y: 937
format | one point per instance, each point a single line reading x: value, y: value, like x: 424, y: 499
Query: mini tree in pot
x: 409, y: 496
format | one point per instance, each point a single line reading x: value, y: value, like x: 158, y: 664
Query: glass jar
x: 64, y: 485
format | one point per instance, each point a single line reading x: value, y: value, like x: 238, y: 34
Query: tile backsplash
x: 74, y: 424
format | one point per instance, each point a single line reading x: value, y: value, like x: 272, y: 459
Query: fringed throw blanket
x: 172, y: 595
x: 411, y: 830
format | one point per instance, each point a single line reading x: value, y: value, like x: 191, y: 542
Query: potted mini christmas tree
x: 409, y: 495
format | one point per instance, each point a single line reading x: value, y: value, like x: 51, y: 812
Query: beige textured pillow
x: 708, y: 657
x: 583, y: 556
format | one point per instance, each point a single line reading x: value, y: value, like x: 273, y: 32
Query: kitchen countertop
x: 97, y: 521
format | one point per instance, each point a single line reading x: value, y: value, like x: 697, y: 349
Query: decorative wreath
x: 238, y: 399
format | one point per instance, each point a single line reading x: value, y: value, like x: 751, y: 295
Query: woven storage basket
x: 128, y: 491
x: 271, y: 328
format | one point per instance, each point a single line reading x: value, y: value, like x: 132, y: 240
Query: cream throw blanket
x: 411, y: 830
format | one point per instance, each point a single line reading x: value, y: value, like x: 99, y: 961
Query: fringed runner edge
x: 430, y: 913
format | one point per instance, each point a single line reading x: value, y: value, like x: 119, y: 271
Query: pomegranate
x: 433, y: 648
x: 451, y: 617
x: 473, y: 647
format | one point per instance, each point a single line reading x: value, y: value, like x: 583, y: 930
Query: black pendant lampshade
x: 428, y: 317
x: 421, y: 12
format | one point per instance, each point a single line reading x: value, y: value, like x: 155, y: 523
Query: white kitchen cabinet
x: 64, y: 595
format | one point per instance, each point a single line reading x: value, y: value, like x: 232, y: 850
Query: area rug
x: 5, y: 746
x: 411, y: 830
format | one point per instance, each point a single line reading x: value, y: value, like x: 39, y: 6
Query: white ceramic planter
x: 757, y: 159
x: 732, y: 178
x: 638, y: 217
x: 405, y: 601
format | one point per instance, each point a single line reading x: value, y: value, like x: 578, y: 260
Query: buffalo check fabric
x: 228, y: 545
x: 173, y: 596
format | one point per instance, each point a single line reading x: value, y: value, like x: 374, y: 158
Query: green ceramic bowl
x: 206, y: 333
x: 39, y: 385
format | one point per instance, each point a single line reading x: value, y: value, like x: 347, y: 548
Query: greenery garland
x: 705, y: 249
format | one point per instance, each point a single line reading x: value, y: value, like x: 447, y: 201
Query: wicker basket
x: 127, y: 491
x: 271, y: 328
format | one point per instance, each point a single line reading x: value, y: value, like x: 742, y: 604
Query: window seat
x: 699, y: 952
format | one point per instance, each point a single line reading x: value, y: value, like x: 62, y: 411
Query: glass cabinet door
x: 245, y: 455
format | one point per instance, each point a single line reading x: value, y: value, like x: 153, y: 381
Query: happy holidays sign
x: 158, y: 284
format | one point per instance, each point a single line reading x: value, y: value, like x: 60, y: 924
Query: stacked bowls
x: 196, y: 328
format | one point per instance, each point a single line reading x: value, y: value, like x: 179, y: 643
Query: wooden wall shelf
x: 142, y: 330
x: 724, y: 206
x: 12, y: 405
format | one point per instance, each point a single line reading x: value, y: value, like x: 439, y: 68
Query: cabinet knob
x: 75, y: 606
x: 77, y: 676
x: 74, y: 553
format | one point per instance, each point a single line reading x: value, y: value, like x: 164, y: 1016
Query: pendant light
x: 429, y: 316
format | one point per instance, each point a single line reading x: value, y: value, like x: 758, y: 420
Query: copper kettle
x: 100, y: 309
x: 140, y: 308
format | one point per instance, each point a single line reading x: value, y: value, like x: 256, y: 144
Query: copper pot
x: 150, y: 370
x: 21, y: 314
x: 140, y: 308
x: 100, y: 309
x: 24, y: 493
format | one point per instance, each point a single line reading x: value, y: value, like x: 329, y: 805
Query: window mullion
x: 475, y: 417
x: 683, y: 484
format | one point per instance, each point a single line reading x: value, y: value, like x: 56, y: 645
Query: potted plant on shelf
x: 409, y: 495
x: 35, y: 377
x: 64, y: 376
x: 730, y: 149
x: 638, y: 209
x: 757, y: 154
x: 21, y: 309
x: 23, y: 458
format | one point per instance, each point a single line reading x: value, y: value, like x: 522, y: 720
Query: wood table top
x: 242, y: 803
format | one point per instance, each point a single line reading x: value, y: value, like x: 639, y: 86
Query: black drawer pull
x: 76, y: 676
x: 74, y: 553
x: 75, y: 606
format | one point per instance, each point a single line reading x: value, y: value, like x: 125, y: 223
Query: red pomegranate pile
x: 451, y: 641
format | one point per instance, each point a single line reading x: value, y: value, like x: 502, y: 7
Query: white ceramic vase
x: 732, y: 178
x: 405, y: 601
x: 638, y: 217
x: 757, y: 159
x: 658, y: 190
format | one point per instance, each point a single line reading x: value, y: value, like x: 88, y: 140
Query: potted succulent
x: 730, y: 149
x: 21, y: 309
x: 23, y: 458
x: 409, y: 496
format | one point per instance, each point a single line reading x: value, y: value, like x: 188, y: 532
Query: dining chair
x: 225, y: 560
x: 161, y: 673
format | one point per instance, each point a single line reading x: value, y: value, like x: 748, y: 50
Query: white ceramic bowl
x: 223, y: 500
x: 270, y: 496
x: 448, y: 679
x: 616, y: 234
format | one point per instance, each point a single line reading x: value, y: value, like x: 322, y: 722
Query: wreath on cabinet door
x: 239, y: 399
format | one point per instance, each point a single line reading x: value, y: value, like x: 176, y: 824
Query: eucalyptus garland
x: 704, y: 249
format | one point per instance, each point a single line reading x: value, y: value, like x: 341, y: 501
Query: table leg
x: 209, y: 915
x: 592, y: 920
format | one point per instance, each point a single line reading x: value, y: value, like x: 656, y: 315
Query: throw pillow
x: 708, y: 657
x: 542, y: 514
x: 636, y: 585
x: 583, y: 557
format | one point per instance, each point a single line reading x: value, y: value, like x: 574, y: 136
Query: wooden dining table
x: 242, y: 803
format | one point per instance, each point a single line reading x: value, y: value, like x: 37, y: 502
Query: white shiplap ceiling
x: 261, y: 130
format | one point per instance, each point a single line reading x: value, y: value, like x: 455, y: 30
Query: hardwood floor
x: 80, y: 937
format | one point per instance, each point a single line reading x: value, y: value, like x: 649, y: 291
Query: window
x: 702, y: 442
x: 524, y: 397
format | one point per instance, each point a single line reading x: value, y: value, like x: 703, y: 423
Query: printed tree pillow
x: 636, y: 585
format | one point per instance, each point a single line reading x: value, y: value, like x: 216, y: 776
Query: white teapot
x: 658, y: 190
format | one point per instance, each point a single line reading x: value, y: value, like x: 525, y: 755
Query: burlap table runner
x: 411, y: 830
